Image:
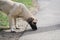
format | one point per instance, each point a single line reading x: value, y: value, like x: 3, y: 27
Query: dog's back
x: 6, y: 5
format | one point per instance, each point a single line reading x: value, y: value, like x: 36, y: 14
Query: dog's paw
x: 13, y: 31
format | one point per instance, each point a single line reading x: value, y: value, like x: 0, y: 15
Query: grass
x: 3, y: 17
x: 28, y: 3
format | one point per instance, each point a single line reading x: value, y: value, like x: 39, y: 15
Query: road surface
x: 48, y: 24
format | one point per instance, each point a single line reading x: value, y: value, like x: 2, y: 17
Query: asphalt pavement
x: 48, y: 22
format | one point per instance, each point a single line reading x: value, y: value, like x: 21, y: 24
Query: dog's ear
x: 32, y: 23
x: 30, y: 20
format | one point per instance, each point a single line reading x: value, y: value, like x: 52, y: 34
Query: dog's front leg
x: 15, y: 22
x: 11, y: 23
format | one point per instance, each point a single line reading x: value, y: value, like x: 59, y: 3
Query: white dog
x: 14, y: 10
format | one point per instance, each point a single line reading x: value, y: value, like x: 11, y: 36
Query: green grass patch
x: 28, y: 3
x: 3, y: 19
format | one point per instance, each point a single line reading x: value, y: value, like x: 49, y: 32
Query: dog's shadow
x: 43, y: 29
x: 15, y: 36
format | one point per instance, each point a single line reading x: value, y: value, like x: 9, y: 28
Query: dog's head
x: 32, y: 23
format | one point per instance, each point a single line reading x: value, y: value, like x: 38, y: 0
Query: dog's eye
x: 34, y: 22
